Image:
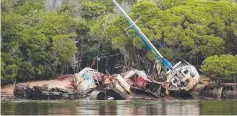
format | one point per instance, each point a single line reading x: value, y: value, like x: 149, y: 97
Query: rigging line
x: 110, y: 55
x: 101, y: 57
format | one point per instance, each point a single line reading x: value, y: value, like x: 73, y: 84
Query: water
x: 112, y: 107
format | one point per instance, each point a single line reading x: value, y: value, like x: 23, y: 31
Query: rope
x: 101, y: 57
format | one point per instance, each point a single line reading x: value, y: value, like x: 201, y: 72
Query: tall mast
x: 147, y: 42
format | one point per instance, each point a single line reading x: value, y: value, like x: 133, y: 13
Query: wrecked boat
x: 133, y: 84
x: 140, y: 81
x: 181, y: 79
x: 87, y: 83
x: 181, y: 76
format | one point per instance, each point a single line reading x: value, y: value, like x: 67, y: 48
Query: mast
x: 143, y: 37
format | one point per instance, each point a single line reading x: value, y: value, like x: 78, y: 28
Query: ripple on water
x: 121, y: 107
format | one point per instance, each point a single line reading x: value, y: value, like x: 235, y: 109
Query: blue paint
x: 143, y: 37
x: 89, y: 78
x: 165, y: 62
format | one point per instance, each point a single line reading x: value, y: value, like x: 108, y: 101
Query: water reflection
x: 181, y: 108
x: 160, y: 107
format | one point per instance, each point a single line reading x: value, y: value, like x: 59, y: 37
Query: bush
x: 221, y: 68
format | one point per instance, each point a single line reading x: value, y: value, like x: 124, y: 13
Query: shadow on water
x: 113, y: 107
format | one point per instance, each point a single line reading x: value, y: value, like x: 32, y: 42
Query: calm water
x: 137, y: 107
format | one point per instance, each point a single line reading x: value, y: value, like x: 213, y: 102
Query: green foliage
x: 198, y: 20
x: 11, y: 25
x: 26, y: 70
x: 9, y: 5
x: 10, y: 53
x: 92, y: 9
x: 222, y: 67
x: 99, y: 38
x: 151, y: 56
x: 211, y: 45
x: 187, y: 27
x: 166, y: 4
x: 35, y: 43
x: 29, y: 8
x: 57, y: 23
x: 64, y: 47
x: 38, y: 43
x: 9, y: 66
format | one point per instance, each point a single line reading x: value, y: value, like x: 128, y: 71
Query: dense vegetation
x: 41, y: 42
x: 223, y: 68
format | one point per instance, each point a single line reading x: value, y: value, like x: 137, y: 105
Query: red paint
x: 140, y: 81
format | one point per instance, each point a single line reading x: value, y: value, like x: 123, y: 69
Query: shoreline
x: 7, y: 90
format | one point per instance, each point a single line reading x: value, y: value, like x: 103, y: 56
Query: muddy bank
x: 7, y: 90
x: 200, y: 92
x: 90, y: 83
x: 94, y: 85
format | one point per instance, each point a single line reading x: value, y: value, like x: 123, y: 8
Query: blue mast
x: 146, y: 41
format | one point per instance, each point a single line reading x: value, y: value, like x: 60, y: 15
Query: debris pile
x: 95, y: 85
x: 140, y: 81
x: 133, y: 84
x: 219, y: 91
x: 42, y: 92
